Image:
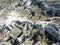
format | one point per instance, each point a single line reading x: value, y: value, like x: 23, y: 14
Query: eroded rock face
x: 18, y: 29
x: 22, y: 31
x: 55, y: 30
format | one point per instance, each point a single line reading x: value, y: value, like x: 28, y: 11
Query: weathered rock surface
x: 22, y: 23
